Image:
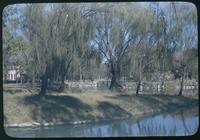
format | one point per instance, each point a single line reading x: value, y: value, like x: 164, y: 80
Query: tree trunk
x: 63, y: 73
x: 115, y: 71
x: 5, y: 78
x: 16, y: 79
x: 80, y: 73
x: 113, y: 83
x: 138, y: 87
x: 62, y: 86
x: 140, y: 78
x: 21, y: 80
x: 33, y: 81
x: 43, y: 85
x: 181, y: 86
x: 162, y: 87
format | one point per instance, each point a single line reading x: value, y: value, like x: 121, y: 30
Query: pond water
x: 179, y: 123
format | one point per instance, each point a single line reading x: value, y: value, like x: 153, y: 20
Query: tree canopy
x: 74, y: 41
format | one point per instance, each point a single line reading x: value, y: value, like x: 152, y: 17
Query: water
x: 180, y: 123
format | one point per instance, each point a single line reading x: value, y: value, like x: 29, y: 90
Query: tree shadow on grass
x: 169, y: 101
x: 17, y: 89
x: 52, y: 108
x: 112, y: 111
x: 12, y: 91
x: 164, y: 102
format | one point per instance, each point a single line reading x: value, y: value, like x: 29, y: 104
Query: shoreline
x: 51, y: 124
x: 26, y: 109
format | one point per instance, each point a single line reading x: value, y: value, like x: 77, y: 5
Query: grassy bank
x: 22, y: 105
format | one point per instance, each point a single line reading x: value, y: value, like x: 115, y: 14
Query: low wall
x: 147, y: 86
x: 81, y: 84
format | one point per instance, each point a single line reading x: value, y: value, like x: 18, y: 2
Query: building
x: 12, y: 73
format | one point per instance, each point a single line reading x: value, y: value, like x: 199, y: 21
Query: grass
x: 22, y: 104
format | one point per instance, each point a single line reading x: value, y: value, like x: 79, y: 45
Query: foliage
x: 87, y: 41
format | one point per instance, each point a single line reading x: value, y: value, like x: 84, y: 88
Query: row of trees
x: 54, y: 42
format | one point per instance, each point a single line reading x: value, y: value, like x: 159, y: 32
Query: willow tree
x: 67, y: 25
x: 14, y: 46
x: 38, y: 26
x: 7, y: 39
x: 54, y: 33
x: 185, y: 36
x: 161, y: 37
x: 114, y: 27
x: 37, y: 29
x: 142, y: 57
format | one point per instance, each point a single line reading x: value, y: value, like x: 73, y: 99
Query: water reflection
x: 169, y: 125
x: 174, y: 124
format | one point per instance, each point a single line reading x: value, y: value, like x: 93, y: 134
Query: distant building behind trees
x: 14, y: 74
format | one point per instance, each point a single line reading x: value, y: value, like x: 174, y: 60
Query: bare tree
x: 114, y: 38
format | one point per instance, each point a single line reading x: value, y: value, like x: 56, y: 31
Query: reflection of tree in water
x: 116, y: 129
x: 109, y: 130
x: 99, y: 133
x: 113, y: 129
x: 154, y: 128
x: 125, y: 129
x: 188, y: 128
x: 172, y: 131
x: 85, y: 130
x: 129, y: 127
x: 122, y: 129
x: 184, y: 123
x: 159, y: 125
x: 91, y: 131
x: 40, y: 133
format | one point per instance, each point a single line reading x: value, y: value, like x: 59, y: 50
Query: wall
x: 169, y: 86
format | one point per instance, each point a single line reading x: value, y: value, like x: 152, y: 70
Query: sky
x: 145, y: 4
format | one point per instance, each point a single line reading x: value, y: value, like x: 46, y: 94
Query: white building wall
x: 12, y: 75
